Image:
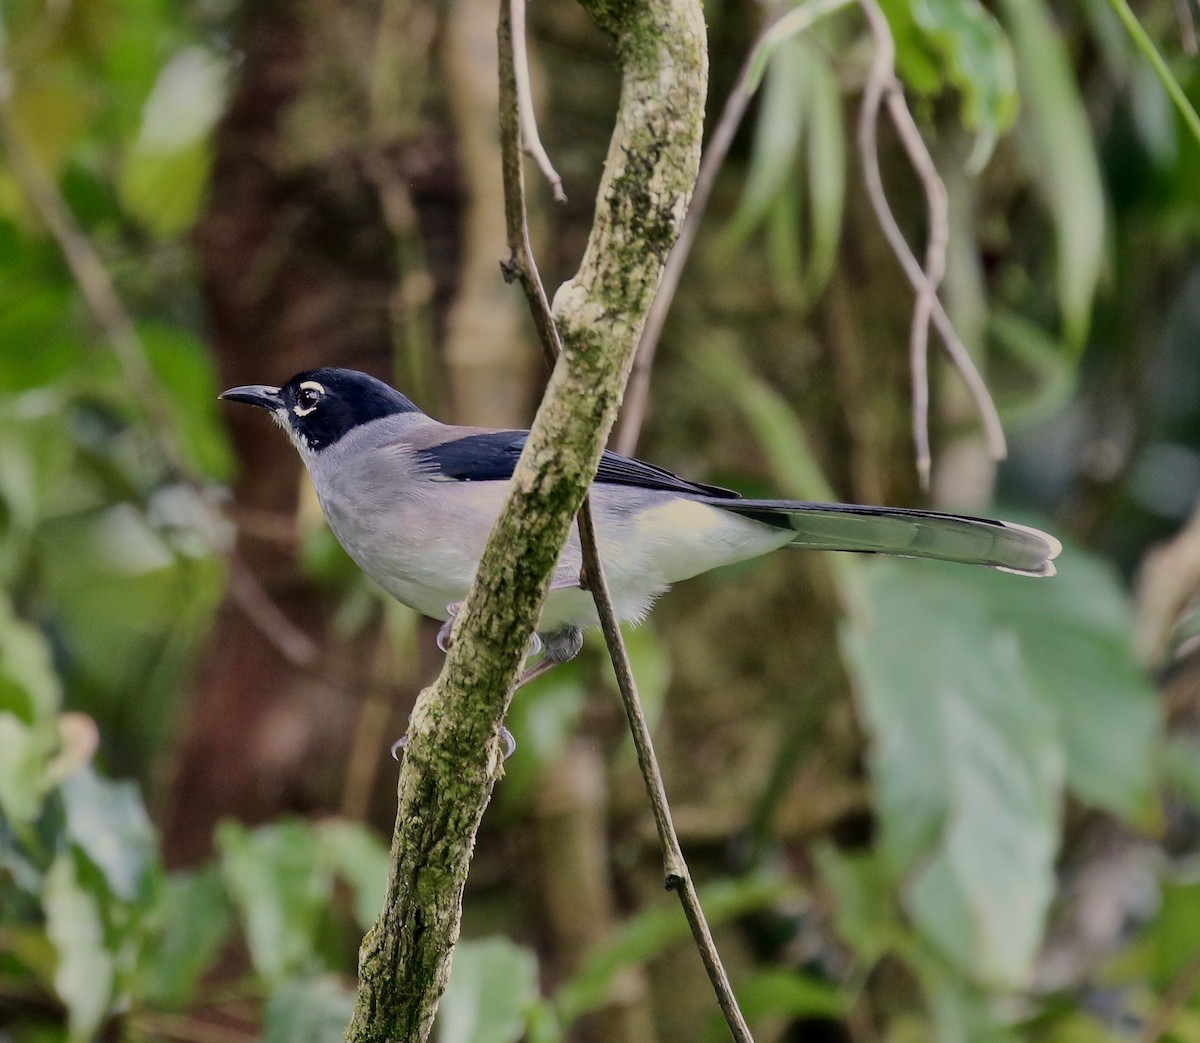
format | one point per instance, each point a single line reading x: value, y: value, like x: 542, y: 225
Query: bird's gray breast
x: 417, y: 537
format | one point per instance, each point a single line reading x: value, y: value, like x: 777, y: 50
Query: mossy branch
x: 452, y: 759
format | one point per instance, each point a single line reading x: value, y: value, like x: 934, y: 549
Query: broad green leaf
x: 280, y: 889
x: 966, y: 765
x: 25, y: 752
x: 980, y: 689
x: 84, y: 975
x: 28, y: 684
x: 108, y: 821
x: 1062, y: 155
x: 960, y: 1010
x: 165, y: 173
x: 308, y: 1010
x: 357, y: 855
x: 493, y: 982
x: 187, y: 380
x: 1074, y: 631
x: 188, y: 925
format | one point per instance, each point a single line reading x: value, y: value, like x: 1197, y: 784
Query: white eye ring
x: 316, y: 392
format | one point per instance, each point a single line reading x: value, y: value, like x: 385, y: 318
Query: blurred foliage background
x: 926, y: 803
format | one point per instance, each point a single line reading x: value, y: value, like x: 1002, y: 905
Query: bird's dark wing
x: 490, y: 456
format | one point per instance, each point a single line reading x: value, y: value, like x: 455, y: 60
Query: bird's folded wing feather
x: 488, y: 456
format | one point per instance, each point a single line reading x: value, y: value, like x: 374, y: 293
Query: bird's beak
x: 262, y: 395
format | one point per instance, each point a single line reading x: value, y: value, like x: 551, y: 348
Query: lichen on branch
x: 452, y: 759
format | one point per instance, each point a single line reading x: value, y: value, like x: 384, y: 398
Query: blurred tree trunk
x: 303, y: 266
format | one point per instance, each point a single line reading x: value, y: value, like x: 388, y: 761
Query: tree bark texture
x: 452, y: 758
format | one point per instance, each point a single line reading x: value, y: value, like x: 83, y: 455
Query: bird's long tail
x: 908, y: 533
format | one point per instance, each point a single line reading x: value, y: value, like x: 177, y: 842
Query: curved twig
x: 881, y: 82
x: 530, y: 139
x: 777, y: 27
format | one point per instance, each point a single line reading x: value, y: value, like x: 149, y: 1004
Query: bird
x: 413, y: 500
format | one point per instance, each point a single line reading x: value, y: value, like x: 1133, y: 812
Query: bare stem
x: 675, y: 871
x: 676, y: 874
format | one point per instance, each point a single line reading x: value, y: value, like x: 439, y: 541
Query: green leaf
x: 29, y: 687
x: 165, y: 173
x: 25, y: 751
x: 1060, y: 149
x: 981, y: 689
x: 966, y: 766
x: 777, y: 135
x: 108, y: 821
x: 917, y: 61
x: 865, y: 911
x: 1074, y: 632
x: 308, y: 1010
x: 84, y: 975
x: 780, y: 991
x: 280, y: 889
x: 825, y: 155
x: 354, y: 853
x: 978, y: 61
x: 183, y: 368
x: 960, y: 1010
x: 188, y: 926
x: 652, y: 931
x: 493, y: 982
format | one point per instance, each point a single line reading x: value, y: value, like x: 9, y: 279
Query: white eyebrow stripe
x: 311, y: 385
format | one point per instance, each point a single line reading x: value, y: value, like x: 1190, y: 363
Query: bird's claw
x: 443, y: 634
x: 506, y: 738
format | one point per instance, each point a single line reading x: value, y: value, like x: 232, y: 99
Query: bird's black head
x: 317, y: 407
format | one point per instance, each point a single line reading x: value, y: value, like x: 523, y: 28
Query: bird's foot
x: 506, y: 738
x: 443, y: 634
x: 559, y: 647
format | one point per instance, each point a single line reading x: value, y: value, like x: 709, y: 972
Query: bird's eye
x: 307, y: 397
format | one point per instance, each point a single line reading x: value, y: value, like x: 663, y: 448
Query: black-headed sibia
x: 413, y: 500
